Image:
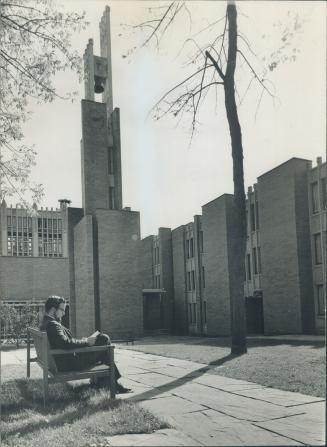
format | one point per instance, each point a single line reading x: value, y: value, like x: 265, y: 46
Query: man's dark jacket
x: 61, y: 338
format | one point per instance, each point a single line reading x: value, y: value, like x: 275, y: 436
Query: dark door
x: 152, y: 312
x: 254, y: 315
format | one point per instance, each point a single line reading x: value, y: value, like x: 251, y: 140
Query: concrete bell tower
x: 101, y: 151
x: 106, y: 288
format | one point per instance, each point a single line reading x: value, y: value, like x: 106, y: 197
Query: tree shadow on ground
x: 149, y: 394
x: 253, y: 341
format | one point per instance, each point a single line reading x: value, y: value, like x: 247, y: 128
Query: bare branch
x: 255, y: 74
x: 158, y: 26
x: 221, y: 74
x: 176, y: 87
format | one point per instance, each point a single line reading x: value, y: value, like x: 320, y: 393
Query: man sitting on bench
x: 61, y: 338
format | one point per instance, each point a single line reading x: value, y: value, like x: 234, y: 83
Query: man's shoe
x: 120, y: 389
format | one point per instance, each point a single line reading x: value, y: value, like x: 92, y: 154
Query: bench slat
x: 85, y: 349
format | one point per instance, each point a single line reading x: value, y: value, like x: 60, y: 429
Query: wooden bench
x: 46, y: 361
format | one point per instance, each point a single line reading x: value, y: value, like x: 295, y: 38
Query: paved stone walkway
x: 208, y: 409
x: 203, y: 408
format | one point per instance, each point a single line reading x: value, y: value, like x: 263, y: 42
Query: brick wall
x: 278, y: 215
x: 304, y: 247
x: 216, y: 253
x: 146, y: 260
x: 84, y: 277
x: 74, y: 215
x: 180, y: 301
x: 94, y: 157
x: 120, y: 283
x: 166, y: 261
x: 30, y: 278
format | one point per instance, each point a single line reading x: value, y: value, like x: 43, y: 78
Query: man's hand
x: 91, y: 340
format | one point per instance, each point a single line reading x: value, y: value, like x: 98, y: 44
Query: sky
x: 165, y: 177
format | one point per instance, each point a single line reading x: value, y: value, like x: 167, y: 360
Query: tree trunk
x: 239, y: 214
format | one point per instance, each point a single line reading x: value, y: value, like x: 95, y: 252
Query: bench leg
x: 45, y: 388
x: 28, y: 355
x: 112, y: 377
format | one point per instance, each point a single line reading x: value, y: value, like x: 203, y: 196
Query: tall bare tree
x: 215, y: 64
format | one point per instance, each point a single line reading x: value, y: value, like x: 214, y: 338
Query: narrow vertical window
x: 191, y: 248
x: 259, y: 259
x: 248, y: 257
x: 201, y: 241
x: 205, y: 312
x: 111, y: 198
x: 110, y: 160
x: 247, y: 222
x: 314, y: 197
x: 323, y: 193
x: 252, y: 217
x: 203, y: 278
x: 321, y: 305
x: 193, y: 280
x: 255, y: 264
x: 188, y: 280
x: 256, y: 214
x: 317, y: 248
x: 194, y: 313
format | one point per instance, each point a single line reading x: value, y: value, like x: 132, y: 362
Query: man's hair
x: 54, y: 301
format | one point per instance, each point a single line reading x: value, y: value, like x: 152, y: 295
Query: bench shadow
x: 181, y: 380
x: 58, y: 412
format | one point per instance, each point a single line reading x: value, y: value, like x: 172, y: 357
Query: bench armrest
x: 85, y: 349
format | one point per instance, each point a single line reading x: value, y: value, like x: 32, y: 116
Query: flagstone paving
x: 203, y: 408
x: 215, y: 410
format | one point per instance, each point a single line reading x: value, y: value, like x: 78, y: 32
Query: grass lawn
x: 79, y: 416
x: 286, y: 363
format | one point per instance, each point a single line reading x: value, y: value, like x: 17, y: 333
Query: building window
x: 18, y: 237
x: 255, y: 263
x: 321, y: 310
x: 252, y: 217
x: 203, y: 278
x: 156, y: 255
x: 323, y: 193
x: 110, y: 160
x: 317, y: 248
x: 314, y: 197
x: 201, y: 241
x: 259, y: 259
x: 111, y: 198
x: 205, y: 312
x: 194, y: 313
x: 193, y: 279
x: 256, y: 214
x: 191, y: 248
x: 189, y: 281
x: 246, y: 222
x: 190, y: 312
x: 248, y: 257
x: 321, y: 304
x: 49, y: 237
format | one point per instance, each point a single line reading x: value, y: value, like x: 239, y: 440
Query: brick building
x: 33, y: 254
